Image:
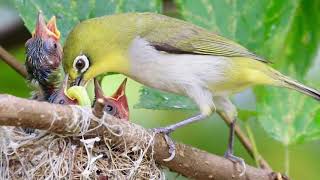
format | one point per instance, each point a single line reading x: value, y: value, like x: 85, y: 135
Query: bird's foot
x: 235, y: 159
x: 172, y: 148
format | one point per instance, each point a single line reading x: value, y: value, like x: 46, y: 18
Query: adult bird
x: 171, y: 55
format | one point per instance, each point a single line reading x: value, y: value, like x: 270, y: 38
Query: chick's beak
x: 64, y: 87
x: 97, y: 89
x: 41, y: 27
x: 120, y: 95
x: 121, y: 100
x: 121, y: 91
x: 52, y: 27
x: 45, y: 31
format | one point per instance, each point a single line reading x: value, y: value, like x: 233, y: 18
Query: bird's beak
x: 44, y: 31
x: 52, y: 27
x: 121, y: 98
x: 97, y: 89
x: 121, y: 91
x: 79, y: 81
x: 64, y: 86
x: 119, y: 94
x: 41, y: 27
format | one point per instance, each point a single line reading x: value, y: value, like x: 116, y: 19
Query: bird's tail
x: 256, y: 72
x: 293, y: 84
x: 261, y: 73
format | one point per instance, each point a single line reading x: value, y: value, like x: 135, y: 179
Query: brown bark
x: 189, y: 161
x: 198, y: 164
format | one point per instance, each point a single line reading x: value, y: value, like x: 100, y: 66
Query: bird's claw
x: 236, y: 159
x: 163, y: 130
x: 172, y: 148
x: 169, y: 141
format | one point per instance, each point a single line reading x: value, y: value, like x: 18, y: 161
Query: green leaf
x: 285, y: 32
x: 302, y: 40
x: 288, y: 116
x: 155, y: 99
x: 69, y: 13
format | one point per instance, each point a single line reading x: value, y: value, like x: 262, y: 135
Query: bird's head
x: 76, y: 95
x: 43, y: 50
x: 95, y: 47
x: 117, y: 104
x: 61, y: 96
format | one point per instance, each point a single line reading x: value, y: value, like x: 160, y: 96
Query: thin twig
x: 12, y: 62
x: 256, y: 153
x: 189, y: 161
x: 246, y: 142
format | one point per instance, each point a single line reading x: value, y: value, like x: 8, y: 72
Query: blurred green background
x: 287, y: 32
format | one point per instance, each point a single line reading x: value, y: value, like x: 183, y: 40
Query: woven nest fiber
x: 43, y: 155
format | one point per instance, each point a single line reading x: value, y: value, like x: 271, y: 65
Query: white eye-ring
x: 81, y: 63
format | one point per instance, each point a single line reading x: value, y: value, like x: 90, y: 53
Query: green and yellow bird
x: 174, y: 56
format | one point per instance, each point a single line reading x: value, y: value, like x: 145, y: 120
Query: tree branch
x: 12, y: 62
x: 189, y: 161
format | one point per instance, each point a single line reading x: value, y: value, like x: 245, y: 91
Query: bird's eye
x: 110, y: 109
x: 61, y: 101
x: 81, y: 63
x: 50, y: 45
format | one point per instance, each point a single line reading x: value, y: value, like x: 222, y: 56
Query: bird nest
x: 44, y: 155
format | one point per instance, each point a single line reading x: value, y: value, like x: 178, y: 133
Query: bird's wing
x: 176, y: 36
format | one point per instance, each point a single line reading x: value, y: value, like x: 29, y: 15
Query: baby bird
x: 43, y: 58
x: 117, y: 104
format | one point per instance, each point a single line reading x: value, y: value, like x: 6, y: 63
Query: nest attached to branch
x: 44, y: 155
